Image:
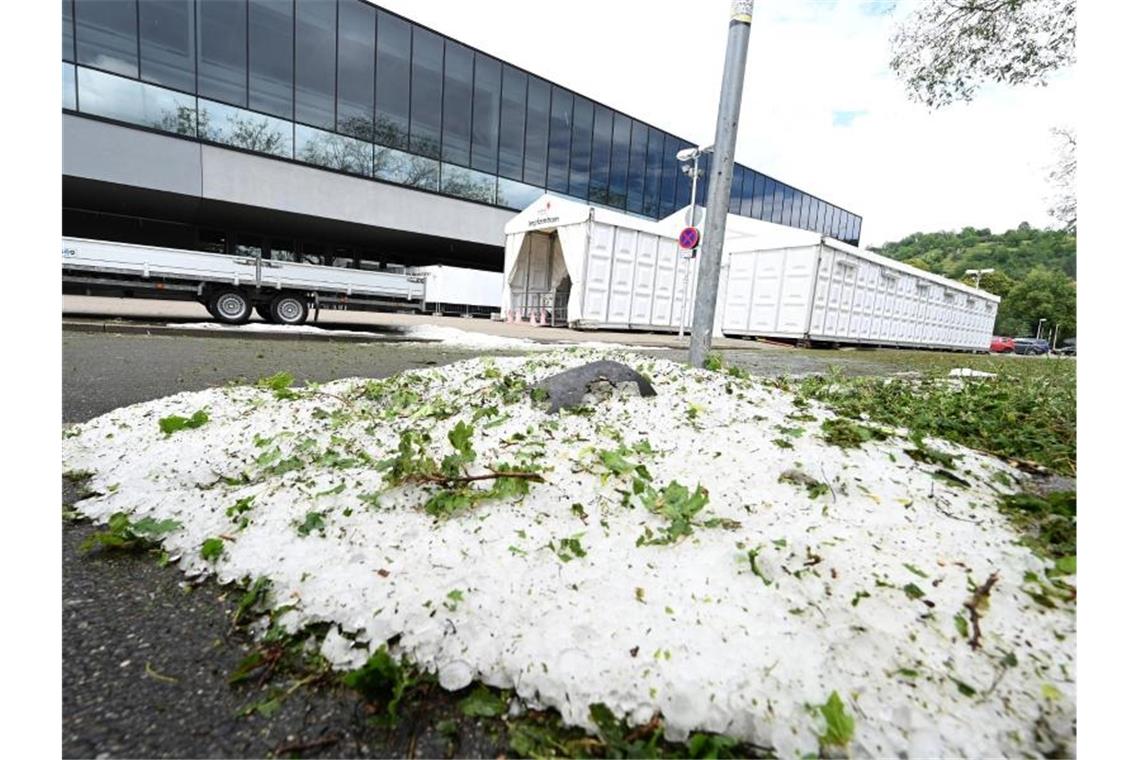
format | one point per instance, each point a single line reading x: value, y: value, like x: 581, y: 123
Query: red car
x: 999, y: 345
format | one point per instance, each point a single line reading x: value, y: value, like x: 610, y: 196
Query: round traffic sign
x: 689, y: 238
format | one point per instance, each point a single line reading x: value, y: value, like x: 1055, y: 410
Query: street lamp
x: 691, y: 158
x: 1040, y: 322
x: 978, y: 275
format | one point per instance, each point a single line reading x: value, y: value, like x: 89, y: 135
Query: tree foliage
x: 1063, y: 178
x: 1034, y: 271
x: 947, y: 49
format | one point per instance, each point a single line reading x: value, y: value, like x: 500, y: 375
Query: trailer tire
x: 289, y: 309
x: 230, y: 306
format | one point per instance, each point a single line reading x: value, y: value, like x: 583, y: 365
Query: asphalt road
x: 146, y: 656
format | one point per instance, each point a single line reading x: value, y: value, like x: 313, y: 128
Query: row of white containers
x: 628, y: 273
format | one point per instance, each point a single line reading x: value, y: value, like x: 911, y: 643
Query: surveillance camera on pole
x: 690, y: 157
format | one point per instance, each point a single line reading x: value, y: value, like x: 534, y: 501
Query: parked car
x: 1000, y: 345
x: 1068, y: 347
x: 1030, y: 346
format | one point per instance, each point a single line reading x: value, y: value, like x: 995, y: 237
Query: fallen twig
x: 980, y: 597
x: 297, y: 747
x: 449, y: 480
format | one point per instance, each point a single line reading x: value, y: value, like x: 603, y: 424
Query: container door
x: 645, y: 268
x: 738, y: 293
x: 666, y: 282
x: 599, y: 257
x: 621, y: 276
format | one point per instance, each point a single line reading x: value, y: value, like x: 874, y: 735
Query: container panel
x: 644, y: 271
x: 621, y: 276
x: 596, y: 298
x: 665, y: 283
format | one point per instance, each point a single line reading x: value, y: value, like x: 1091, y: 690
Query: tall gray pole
x: 720, y: 181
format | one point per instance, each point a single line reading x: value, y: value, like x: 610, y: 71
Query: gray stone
x: 591, y: 383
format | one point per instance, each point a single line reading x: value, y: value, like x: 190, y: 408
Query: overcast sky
x: 821, y: 109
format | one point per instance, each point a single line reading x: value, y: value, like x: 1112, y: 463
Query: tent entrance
x: 540, y: 282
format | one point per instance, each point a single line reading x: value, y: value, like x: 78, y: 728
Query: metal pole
x: 720, y: 180
x: 692, y: 254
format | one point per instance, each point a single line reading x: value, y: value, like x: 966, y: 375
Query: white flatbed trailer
x: 233, y: 287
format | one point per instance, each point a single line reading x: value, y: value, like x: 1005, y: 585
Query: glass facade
x: 350, y: 87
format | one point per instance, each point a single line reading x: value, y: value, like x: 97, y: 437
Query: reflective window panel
x: 639, y: 136
x: 458, y: 74
x: 737, y: 189
x: 166, y: 43
x: 600, y: 155
x: 356, y: 62
x: 271, y: 57
x: 333, y: 151
x: 581, y: 136
x: 129, y: 100
x: 314, y: 94
x: 406, y: 169
x: 467, y: 183
x: 512, y: 121
x: 561, y: 124
x: 393, y: 79
x: 656, y: 145
x: 516, y: 195
x: 537, y: 130
x: 619, y: 161
x: 69, y: 86
x: 427, y: 92
x: 68, y: 30
x: 669, y: 176
x: 229, y: 125
x: 107, y: 35
x: 222, y: 51
x: 485, y: 114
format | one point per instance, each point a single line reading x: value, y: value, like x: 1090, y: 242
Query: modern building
x: 336, y: 132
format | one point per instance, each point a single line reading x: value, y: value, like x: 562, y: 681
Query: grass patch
x: 1026, y: 412
x: 1048, y: 524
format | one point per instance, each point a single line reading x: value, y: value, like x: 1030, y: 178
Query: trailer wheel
x: 263, y: 311
x: 230, y: 306
x: 288, y: 309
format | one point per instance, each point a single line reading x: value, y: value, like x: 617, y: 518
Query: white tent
x: 590, y: 266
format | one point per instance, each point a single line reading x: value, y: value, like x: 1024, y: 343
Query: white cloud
x: 901, y: 167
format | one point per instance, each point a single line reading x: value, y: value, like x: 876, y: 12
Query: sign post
x: 689, y: 238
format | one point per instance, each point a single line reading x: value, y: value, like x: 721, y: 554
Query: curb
x: 127, y: 328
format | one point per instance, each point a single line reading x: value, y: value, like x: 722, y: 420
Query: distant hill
x: 1014, y: 253
x: 1035, y: 272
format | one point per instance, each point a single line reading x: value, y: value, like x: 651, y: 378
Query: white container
x: 452, y: 290
x: 591, y: 267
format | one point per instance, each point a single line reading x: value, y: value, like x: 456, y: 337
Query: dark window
x: 825, y: 221
x: 166, y: 43
x: 222, y: 51
x: 600, y: 155
x: 785, y: 205
x: 271, y: 57
x: 619, y: 161
x: 652, y: 204
x: 813, y: 214
x: 356, y: 62
x: 107, y: 35
x: 746, y: 192
x: 737, y: 190
x: 580, y: 147
x: 858, y: 230
x: 537, y: 128
x: 427, y: 92
x: 765, y: 198
x: 637, y: 142
x: 485, y: 124
x: 512, y: 121
x: 558, y: 165
x: 669, y: 176
x: 68, y: 31
x: 393, y: 80
x: 458, y: 69
x: 683, y: 183
x: 316, y: 64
